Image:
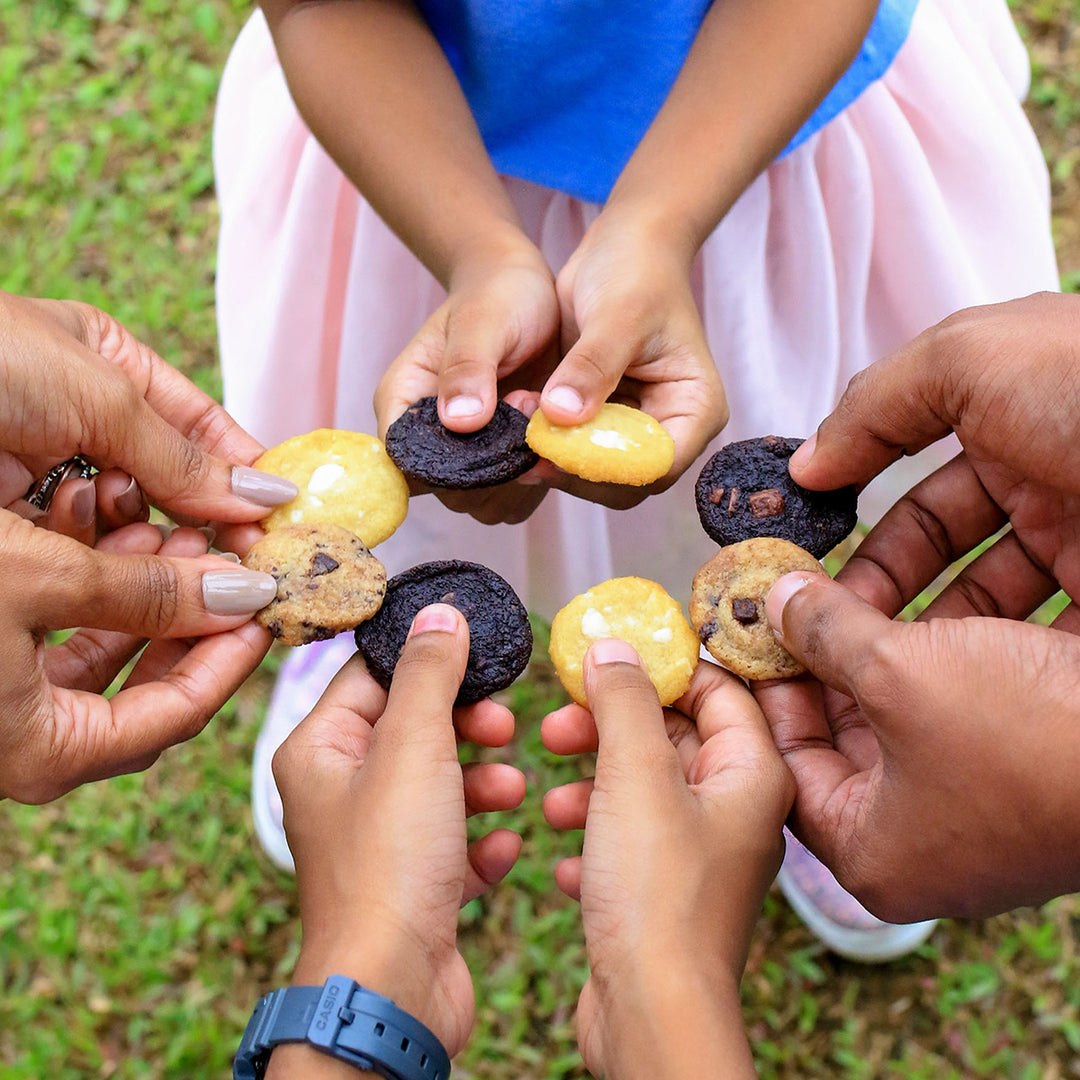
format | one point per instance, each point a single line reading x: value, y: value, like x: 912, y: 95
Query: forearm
x: 378, y: 93
x: 755, y: 74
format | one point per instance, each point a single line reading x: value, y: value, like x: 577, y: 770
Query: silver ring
x: 42, y: 491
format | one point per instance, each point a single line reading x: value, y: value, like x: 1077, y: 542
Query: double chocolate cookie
x: 500, y: 638
x: 745, y: 490
x: 422, y: 448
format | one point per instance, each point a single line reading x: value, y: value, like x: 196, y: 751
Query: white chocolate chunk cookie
x: 619, y: 445
x: 344, y: 477
x: 639, y: 612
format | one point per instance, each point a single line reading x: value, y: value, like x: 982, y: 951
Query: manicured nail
x: 565, y: 398
x: 435, y: 618
x: 237, y: 592
x: 613, y: 651
x: 783, y: 590
x: 209, y: 532
x: 262, y: 488
x: 229, y: 556
x: 130, y: 501
x: 83, y: 503
x: 165, y: 530
x: 462, y: 407
x: 804, y: 453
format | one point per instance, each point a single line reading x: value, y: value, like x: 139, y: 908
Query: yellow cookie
x: 344, y: 477
x: 619, y: 445
x: 727, y: 605
x: 639, y: 612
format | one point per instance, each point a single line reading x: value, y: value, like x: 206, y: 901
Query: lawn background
x: 138, y: 921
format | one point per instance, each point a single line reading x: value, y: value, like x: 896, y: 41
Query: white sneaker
x: 304, y: 675
x: 836, y: 918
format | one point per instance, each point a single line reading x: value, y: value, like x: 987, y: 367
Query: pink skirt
x: 927, y: 195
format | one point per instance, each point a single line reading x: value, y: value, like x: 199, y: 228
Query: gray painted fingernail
x: 262, y: 488
x: 165, y: 530
x: 237, y: 592
x: 209, y: 532
x: 130, y: 501
x: 84, y: 503
x: 229, y: 556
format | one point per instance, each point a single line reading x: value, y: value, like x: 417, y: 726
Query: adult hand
x: 74, y: 381
x: 936, y: 759
x: 631, y: 328
x: 375, y: 808
x: 682, y: 840
x: 57, y: 729
x: 499, y: 324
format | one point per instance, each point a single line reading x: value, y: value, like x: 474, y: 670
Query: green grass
x: 138, y: 921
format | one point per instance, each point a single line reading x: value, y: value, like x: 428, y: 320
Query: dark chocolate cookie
x: 422, y: 448
x: 745, y: 491
x: 500, y: 638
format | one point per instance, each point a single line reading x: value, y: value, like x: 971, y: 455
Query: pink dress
x: 926, y: 195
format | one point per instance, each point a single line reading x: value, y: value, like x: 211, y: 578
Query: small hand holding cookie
x: 936, y: 761
x: 75, y: 381
x: 57, y: 729
x: 375, y: 807
x: 630, y: 326
x: 682, y: 840
x: 497, y: 331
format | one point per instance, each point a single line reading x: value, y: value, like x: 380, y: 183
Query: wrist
x: 656, y: 228
x: 485, y: 252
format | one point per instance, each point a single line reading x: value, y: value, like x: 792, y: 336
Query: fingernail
x: 437, y: 618
x: 613, y: 651
x: 237, y: 592
x: 804, y: 452
x: 783, y: 590
x: 229, y: 556
x: 130, y: 501
x: 83, y: 503
x: 528, y: 407
x: 565, y: 397
x: 262, y: 488
x: 459, y: 408
x: 165, y: 530
x: 209, y: 532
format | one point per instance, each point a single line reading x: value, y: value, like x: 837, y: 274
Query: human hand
x: 57, y: 729
x: 498, y: 325
x: 631, y: 328
x: 936, y: 760
x: 683, y: 836
x: 75, y: 381
x: 375, y: 807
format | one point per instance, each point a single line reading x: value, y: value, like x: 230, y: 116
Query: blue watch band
x: 345, y: 1021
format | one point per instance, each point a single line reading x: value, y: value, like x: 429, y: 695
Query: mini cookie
x: 420, y: 446
x: 500, y: 638
x: 745, y: 490
x: 344, y: 477
x: 727, y: 605
x: 639, y: 612
x: 328, y: 582
x: 619, y: 445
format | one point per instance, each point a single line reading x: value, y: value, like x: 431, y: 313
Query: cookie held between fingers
x: 727, y: 605
x: 344, y: 477
x: 500, y: 637
x: 619, y: 445
x: 745, y: 490
x: 639, y: 612
x: 328, y: 582
x: 422, y: 447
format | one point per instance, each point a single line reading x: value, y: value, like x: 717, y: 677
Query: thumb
x: 833, y: 632
x: 57, y: 583
x: 633, y: 740
x: 586, y: 377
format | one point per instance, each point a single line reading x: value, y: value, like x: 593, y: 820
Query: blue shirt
x: 564, y: 90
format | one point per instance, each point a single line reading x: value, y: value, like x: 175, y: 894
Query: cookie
x: 500, y: 638
x: 745, y: 490
x: 620, y: 445
x: 328, y: 582
x: 639, y: 612
x: 727, y: 605
x: 422, y: 448
x: 344, y: 477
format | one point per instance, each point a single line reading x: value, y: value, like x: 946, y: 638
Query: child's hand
x: 499, y: 324
x: 630, y: 325
x: 375, y: 807
x: 682, y: 840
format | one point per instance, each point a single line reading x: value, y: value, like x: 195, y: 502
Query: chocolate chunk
x: 708, y: 630
x: 323, y: 564
x: 716, y: 496
x: 767, y: 503
x: 732, y: 501
x: 744, y: 610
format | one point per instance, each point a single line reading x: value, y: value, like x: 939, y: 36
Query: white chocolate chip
x: 663, y: 634
x: 611, y: 440
x: 324, y: 478
x: 594, y: 625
